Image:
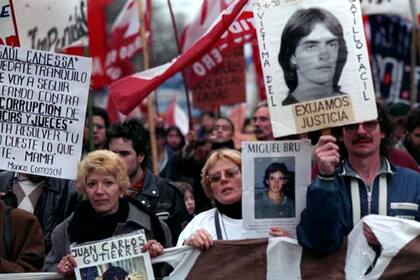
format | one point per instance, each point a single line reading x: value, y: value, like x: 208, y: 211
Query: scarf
x: 233, y: 211
x: 87, y: 225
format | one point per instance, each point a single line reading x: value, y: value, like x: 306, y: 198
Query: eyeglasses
x: 368, y: 126
x: 228, y: 173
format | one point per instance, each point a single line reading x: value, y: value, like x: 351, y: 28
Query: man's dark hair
x: 413, y: 120
x: 132, y: 130
x: 301, y: 24
x: 178, y: 131
x: 160, y: 132
x: 275, y: 167
x: 98, y: 111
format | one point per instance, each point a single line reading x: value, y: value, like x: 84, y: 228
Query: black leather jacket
x: 164, y: 199
x: 57, y: 201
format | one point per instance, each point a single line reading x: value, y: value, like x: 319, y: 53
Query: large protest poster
x: 117, y: 256
x: 275, y: 176
x: 43, y: 99
x: 7, y: 30
x: 225, y: 85
x: 315, y: 64
x: 50, y: 25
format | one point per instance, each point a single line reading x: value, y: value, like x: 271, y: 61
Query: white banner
x: 43, y: 99
x: 50, y: 25
x: 282, y: 258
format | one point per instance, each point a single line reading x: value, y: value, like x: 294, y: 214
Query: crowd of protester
x: 199, y: 187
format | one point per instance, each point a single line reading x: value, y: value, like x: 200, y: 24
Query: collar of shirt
x: 347, y: 170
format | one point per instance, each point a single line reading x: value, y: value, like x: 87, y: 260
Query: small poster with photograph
x: 315, y: 64
x: 119, y: 257
x: 275, y: 177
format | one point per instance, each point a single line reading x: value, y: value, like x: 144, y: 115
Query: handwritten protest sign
x: 315, y: 64
x: 271, y: 168
x: 43, y: 98
x: 7, y: 31
x: 57, y: 24
x: 225, y: 86
x: 117, y: 255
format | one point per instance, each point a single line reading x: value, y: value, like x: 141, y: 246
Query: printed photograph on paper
x: 274, y: 187
x: 119, y: 257
x: 133, y: 269
x: 315, y: 64
x: 275, y: 176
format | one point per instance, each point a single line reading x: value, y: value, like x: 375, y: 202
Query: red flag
x: 176, y: 116
x: 98, y: 47
x: 258, y: 70
x: 125, y: 40
x: 239, y: 32
x: 112, y: 54
x: 97, y: 5
x: 130, y: 91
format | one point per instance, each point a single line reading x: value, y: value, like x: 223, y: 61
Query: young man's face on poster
x: 316, y: 56
x: 276, y: 181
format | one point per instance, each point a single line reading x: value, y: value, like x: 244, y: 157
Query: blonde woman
x: 104, y: 212
x: 222, y: 182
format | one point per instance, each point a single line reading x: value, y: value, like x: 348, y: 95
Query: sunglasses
x: 228, y: 173
x: 368, y: 126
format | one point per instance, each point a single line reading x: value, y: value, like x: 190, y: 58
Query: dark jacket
x: 169, y: 170
x: 57, y: 201
x: 137, y: 219
x: 27, y: 246
x: 165, y: 200
x: 328, y: 216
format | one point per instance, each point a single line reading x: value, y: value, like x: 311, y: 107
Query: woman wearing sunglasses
x: 222, y: 182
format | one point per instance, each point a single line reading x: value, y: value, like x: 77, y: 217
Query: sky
x: 189, y: 7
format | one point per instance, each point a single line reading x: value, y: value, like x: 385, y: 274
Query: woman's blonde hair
x: 215, y: 156
x: 103, y: 162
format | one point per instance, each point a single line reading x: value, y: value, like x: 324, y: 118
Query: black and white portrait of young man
x: 312, y: 55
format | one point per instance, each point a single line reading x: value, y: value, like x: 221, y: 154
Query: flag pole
x: 414, y: 49
x: 89, y: 109
x: 150, y: 107
x: 178, y: 45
